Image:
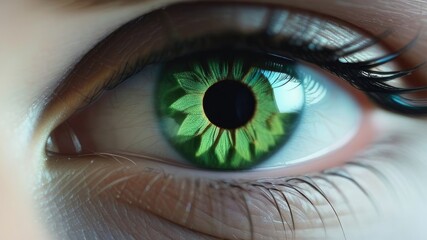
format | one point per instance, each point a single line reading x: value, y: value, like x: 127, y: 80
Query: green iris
x: 222, y: 111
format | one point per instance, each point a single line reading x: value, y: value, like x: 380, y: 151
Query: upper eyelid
x: 93, y: 72
x: 84, y: 73
x: 136, y: 178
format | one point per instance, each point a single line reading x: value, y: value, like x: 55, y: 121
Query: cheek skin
x: 16, y: 206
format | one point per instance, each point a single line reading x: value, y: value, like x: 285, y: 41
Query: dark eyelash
x: 285, y: 186
x: 373, y: 82
x: 360, y: 74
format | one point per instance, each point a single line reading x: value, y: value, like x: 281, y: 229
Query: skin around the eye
x: 41, y: 39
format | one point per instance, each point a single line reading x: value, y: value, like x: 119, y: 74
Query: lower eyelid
x: 216, y: 209
x: 219, y: 208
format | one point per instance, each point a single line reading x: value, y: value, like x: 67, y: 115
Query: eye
x: 273, y: 93
x: 228, y: 111
x: 163, y: 103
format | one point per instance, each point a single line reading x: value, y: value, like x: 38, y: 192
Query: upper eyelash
x: 374, y: 83
x: 362, y: 76
x: 359, y: 74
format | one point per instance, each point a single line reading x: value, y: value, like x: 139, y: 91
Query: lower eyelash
x: 287, y: 189
x: 298, y: 202
x: 291, y: 206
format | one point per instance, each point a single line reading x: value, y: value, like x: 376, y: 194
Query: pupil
x: 229, y: 104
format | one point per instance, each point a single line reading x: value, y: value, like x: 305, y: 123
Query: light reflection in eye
x: 290, y: 96
x: 330, y: 120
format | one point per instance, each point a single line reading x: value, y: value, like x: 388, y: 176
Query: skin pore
x: 45, y: 38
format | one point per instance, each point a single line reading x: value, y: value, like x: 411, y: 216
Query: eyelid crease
x: 105, y: 65
x: 146, y: 40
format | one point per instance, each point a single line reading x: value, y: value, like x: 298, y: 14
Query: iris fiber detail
x: 220, y: 112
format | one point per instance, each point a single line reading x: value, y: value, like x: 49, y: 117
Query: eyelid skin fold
x: 165, y: 35
x: 141, y: 42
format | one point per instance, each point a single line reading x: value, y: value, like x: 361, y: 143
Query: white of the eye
x: 330, y: 119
